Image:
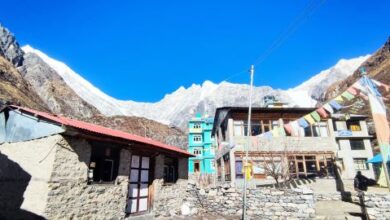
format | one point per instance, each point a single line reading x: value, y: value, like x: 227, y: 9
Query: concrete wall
x: 348, y: 155
x: 25, y: 170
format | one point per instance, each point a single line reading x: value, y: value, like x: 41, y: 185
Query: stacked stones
x: 377, y: 205
x: 262, y: 203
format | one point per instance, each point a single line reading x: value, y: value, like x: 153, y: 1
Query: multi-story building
x: 200, y: 143
x: 354, y: 145
x: 311, y: 152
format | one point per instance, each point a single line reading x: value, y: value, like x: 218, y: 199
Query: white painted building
x: 354, y: 145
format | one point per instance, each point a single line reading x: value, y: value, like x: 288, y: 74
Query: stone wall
x: 25, y: 169
x: 226, y: 200
x: 377, y: 205
x: 69, y: 195
x: 168, y: 197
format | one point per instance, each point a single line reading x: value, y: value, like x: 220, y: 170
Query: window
x: 197, y: 125
x: 360, y: 163
x: 196, y: 166
x: 212, y: 164
x: 319, y: 129
x: 197, y: 138
x: 275, y: 124
x: 357, y: 144
x: 104, y: 163
x: 256, y: 128
x: 238, y: 128
x: 170, y: 170
x: 354, y: 125
x: 239, y: 174
x: 197, y: 151
x: 212, y: 150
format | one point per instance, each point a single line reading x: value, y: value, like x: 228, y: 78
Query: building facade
x: 201, y: 145
x: 60, y: 168
x: 354, y: 145
x: 312, y: 152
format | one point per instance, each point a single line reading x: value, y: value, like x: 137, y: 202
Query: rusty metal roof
x: 97, y: 129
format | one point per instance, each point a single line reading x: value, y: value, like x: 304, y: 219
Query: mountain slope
x: 14, y: 89
x: 377, y: 67
x: 176, y: 108
x: 26, y: 80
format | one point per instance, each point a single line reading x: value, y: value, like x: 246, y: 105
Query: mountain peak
x: 9, y: 47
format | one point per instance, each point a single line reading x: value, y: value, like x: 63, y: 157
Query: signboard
x: 344, y: 133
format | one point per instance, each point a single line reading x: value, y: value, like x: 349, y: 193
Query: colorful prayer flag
x: 339, y: 99
x: 295, y: 128
x: 282, y: 132
x: 315, y: 116
x: 328, y: 108
x: 309, y: 119
x: 303, y: 123
x: 335, y: 105
x: 288, y: 129
x: 353, y: 91
x: 347, y: 95
x: 321, y: 111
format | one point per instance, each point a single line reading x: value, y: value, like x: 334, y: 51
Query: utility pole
x: 248, y: 145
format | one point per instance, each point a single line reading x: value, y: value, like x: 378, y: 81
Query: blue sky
x: 141, y: 50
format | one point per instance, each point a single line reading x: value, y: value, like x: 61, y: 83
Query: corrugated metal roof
x: 102, y: 130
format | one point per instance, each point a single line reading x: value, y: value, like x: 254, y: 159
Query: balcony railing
x: 286, y: 143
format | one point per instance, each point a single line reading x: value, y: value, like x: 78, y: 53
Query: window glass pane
x: 256, y: 129
x: 353, y: 125
x: 324, y: 129
x: 239, y: 169
x: 307, y: 131
x: 144, y: 175
x: 134, y: 175
x: 145, y: 162
x: 357, y: 144
x: 133, y: 190
x: 238, y: 130
x: 135, y: 161
x: 360, y: 163
x: 133, y: 205
x: 144, y: 190
x: 143, y: 204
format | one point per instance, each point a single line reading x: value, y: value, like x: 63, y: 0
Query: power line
x: 309, y: 10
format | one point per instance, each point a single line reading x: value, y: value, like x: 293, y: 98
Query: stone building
x: 312, y: 152
x: 59, y: 168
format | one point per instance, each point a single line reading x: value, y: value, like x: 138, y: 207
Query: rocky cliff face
x: 51, y: 88
x: 15, y: 90
x: 9, y: 47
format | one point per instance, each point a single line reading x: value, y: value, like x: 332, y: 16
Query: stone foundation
x: 226, y: 200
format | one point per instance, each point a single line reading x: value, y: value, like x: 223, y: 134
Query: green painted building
x: 201, y: 144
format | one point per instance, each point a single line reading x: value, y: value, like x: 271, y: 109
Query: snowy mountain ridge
x: 179, y: 106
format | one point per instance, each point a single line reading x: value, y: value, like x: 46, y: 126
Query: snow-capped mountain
x: 176, y: 108
x: 311, y: 91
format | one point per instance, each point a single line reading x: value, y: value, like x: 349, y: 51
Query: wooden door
x: 138, y: 194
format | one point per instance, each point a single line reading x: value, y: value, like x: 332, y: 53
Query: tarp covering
x: 23, y: 127
x: 376, y: 159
